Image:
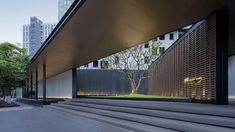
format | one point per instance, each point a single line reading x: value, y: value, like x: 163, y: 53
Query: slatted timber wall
x: 192, y: 56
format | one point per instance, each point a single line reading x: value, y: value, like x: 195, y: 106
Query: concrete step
x: 193, y: 108
x: 149, y: 120
x: 195, y: 118
x: 132, y: 126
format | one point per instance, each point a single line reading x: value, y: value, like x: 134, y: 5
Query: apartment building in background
x: 35, y: 33
x: 166, y: 41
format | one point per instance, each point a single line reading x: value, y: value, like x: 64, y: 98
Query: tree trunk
x: 138, y: 85
x: 135, y: 87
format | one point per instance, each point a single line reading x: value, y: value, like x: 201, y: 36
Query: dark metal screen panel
x: 106, y: 82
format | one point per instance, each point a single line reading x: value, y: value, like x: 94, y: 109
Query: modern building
x: 63, y: 7
x: 166, y: 41
x: 35, y: 33
x: 105, y: 28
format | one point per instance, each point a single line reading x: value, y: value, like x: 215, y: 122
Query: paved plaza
x: 38, y: 119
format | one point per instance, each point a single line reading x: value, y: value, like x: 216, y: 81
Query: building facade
x: 165, y: 40
x: 63, y: 7
x: 35, y: 33
x: 217, y: 35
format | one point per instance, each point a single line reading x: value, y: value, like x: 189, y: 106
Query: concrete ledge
x: 139, y: 99
x: 38, y: 102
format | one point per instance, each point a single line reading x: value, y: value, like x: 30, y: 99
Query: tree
x: 13, y: 63
x: 134, y: 62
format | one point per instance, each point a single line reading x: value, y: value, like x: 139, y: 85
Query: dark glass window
x: 104, y: 64
x: 116, y: 61
x: 162, y: 37
x: 146, y: 59
x: 95, y: 63
x: 86, y: 65
x: 171, y: 36
x: 146, y: 45
x: 155, y: 39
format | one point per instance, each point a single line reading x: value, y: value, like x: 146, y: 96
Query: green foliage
x: 154, y: 50
x: 13, y: 63
x: 128, y: 73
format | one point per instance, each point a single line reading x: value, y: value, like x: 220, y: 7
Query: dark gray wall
x: 105, y: 82
x: 231, y: 77
x: 231, y: 49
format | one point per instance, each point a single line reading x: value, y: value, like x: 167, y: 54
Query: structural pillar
x: 31, y: 86
x: 44, y: 82
x: 26, y: 88
x: 74, y: 83
x: 222, y: 57
x: 36, y: 83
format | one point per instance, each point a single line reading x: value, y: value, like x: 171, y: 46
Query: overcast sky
x: 15, y: 13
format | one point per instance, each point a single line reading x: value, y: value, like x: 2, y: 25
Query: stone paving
x: 39, y: 119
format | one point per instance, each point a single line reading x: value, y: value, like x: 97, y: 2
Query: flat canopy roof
x: 93, y: 29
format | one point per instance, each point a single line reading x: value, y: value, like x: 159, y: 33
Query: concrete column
x: 44, y: 82
x: 36, y: 83
x: 27, y: 88
x: 222, y: 57
x: 31, y: 86
x: 74, y: 83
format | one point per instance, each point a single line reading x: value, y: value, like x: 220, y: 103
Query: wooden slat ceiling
x: 102, y: 27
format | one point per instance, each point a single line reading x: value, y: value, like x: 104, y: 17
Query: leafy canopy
x: 13, y: 63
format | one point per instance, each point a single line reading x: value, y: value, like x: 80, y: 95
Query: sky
x: 15, y: 13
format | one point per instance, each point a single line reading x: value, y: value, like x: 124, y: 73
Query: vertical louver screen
x: 188, y: 68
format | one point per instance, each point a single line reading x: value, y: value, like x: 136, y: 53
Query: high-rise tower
x: 63, y: 7
x: 35, y: 33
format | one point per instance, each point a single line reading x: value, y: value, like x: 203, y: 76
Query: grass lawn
x: 139, y: 96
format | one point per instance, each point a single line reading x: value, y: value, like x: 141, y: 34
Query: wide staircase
x: 153, y: 116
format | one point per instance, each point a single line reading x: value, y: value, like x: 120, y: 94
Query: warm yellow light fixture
x: 192, y: 81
